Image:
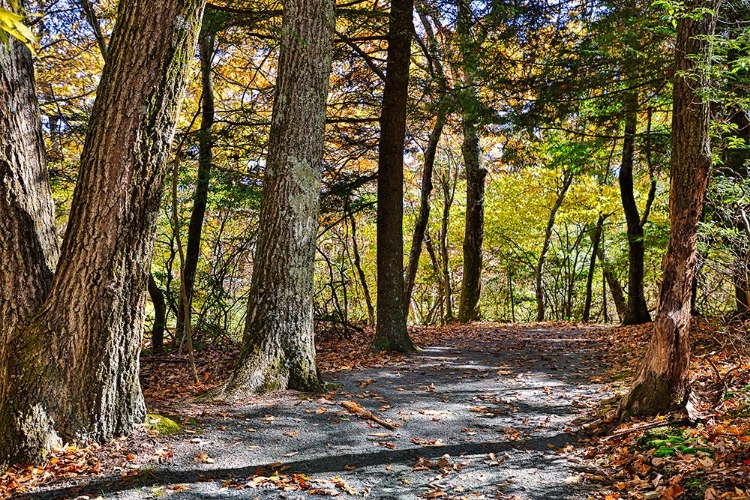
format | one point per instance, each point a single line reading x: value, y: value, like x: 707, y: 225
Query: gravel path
x: 484, y: 417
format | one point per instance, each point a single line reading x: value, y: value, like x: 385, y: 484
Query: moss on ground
x: 162, y: 425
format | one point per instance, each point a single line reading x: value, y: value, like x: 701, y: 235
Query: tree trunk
x: 735, y: 160
x: 540, y: 305
x: 278, y: 348
x: 424, y: 202
x: 86, y: 337
x: 608, y: 274
x: 595, y: 239
x: 637, y: 311
x: 361, y: 274
x: 160, y: 315
x: 471, y: 284
x: 662, y: 380
x: 449, y: 191
x: 28, y: 239
x: 391, y: 333
x: 205, y: 158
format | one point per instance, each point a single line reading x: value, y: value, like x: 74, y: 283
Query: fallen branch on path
x: 652, y: 425
x: 367, y: 415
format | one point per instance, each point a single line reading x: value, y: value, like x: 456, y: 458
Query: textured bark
x: 539, y: 278
x: 637, y: 311
x: 160, y: 314
x: 661, y: 383
x: 391, y: 333
x: 28, y: 241
x: 86, y: 336
x: 595, y: 239
x: 200, y: 197
x: 278, y: 349
x: 424, y: 203
x: 471, y: 284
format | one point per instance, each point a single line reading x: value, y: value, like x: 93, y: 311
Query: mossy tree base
x: 278, y: 346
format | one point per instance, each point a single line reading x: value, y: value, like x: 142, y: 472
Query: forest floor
x: 483, y: 411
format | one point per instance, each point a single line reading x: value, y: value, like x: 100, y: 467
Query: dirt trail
x: 486, y: 414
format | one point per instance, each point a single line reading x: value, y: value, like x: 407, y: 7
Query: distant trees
x: 75, y: 338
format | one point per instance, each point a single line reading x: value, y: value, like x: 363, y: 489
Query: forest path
x: 499, y: 403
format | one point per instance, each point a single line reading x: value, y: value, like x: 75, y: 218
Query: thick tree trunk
x: 278, y: 348
x: 28, y: 240
x: 637, y: 311
x: 595, y: 239
x: 86, y: 337
x: 471, y: 285
x: 561, y: 192
x: 160, y: 315
x: 424, y: 202
x: 205, y: 158
x: 391, y: 333
x: 662, y: 380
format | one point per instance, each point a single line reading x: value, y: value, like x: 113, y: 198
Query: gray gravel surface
x: 486, y: 417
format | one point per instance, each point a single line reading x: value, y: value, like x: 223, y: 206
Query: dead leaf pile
x: 655, y: 460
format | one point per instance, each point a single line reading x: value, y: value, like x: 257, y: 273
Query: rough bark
x: 205, y: 158
x: 28, y: 241
x: 539, y: 277
x: 637, y: 311
x: 86, y: 337
x: 595, y: 239
x: 160, y: 315
x: 661, y: 383
x: 278, y: 349
x: 424, y: 203
x: 390, y: 332
x: 471, y: 284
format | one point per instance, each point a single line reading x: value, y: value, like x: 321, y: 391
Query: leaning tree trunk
x: 424, y: 203
x: 200, y: 197
x: 542, y: 261
x: 278, y: 349
x: 391, y: 333
x: 595, y: 239
x: 86, y: 337
x: 662, y: 380
x: 28, y: 240
x: 637, y: 311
